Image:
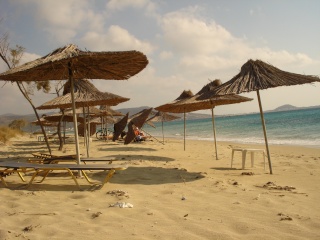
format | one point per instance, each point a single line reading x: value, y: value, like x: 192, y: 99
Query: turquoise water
x: 298, y: 127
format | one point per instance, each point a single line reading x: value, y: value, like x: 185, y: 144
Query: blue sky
x: 187, y: 42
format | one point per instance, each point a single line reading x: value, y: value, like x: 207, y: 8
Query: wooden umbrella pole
x: 152, y: 136
x: 75, y: 123
x: 106, y: 128
x: 214, y: 132
x: 184, y: 131
x: 84, y: 127
x: 162, y: 132
x: 264, y: 131
x: 88, y: 132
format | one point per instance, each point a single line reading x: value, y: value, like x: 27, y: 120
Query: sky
x: 188, y: 43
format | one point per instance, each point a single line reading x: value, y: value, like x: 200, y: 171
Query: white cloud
x: 115, y: 39
x: 202, y: 47
x: 122, y: 4
x: 149, y: 7
x: 164, y: 55
x: 64, y: 20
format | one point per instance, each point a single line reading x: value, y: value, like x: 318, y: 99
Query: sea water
x: 295, y: 127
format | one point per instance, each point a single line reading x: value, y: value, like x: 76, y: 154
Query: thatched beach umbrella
x: 71, y: 63
x: 119, y: 127
x: 171, y: 107
x: 85, y: 95
x: 258, y: 75
x: 106, y: 112
x: 44, y: 122
x: 210, y: 102
x: 162, y: 117
x: 137, y: 121
x: 139, y: 113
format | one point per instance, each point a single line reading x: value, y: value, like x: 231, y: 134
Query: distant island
x: 288, y: 107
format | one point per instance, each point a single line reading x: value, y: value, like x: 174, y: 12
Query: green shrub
x: 6, y: 133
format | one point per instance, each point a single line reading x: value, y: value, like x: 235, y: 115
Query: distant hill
x: 6, y: 119
x: 286, y: 107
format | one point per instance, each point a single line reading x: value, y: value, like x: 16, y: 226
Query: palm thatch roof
x: 108, y: 111
x: 119, y: 127
x: 258, y: 75
x: 119, y: 65
x: 170, y: 107
x: 68, y: 115
x: 92, y: 111
x: 138, y: 116
x: 86, y: 94
x: 163, y: 117
x: 199, y: 102
x: 57, y: 116
x: 137, y: 121
x: 44, y: 122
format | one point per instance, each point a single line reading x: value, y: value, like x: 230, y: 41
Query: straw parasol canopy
x: 258, y: 75
x: 162, y: 117
x: 86, y: 94
x: 108, y: 111
x: 137, y: 121
x: 171, y: 107
x: 210, y: 102
x: 119, y: 65
x: 119, y: 127
x: 71, y: 63
x: 139, y: 113
x: 44, y: 122
x: 67, y: 115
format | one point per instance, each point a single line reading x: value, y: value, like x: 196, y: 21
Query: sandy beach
x: 173, y: 194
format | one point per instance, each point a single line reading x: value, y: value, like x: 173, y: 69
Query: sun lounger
x: 50, y: 159
x: 47, y: 168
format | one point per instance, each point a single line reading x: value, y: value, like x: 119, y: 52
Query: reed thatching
x: 108, y: 111
x: 92, y: 111
x: 119, y: 127
x: 258, y: 75
x: 199, y: 102
x: 137, y: 121
x: 86, y: 94
x: 170, y: 107
x: 68, y: 115
x: 44, y: 122
x: 85, y: 64
x: 163, y: 117
x: 57, y: 116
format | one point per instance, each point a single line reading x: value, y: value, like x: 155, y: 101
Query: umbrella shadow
x: 223, y: 168
x: 141, y: 157
x: 123, y: 149
x: 28, y: 147
x: 151, y: 176
x: 130, y: 176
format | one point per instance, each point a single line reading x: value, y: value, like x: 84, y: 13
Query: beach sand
x: 175, y: 194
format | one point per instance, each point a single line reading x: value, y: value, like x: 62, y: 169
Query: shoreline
x: 241, y: 143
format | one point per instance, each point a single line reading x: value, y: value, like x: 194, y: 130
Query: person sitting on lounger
x: 139, y: 135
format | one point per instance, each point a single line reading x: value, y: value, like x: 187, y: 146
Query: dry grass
x: 7, y: 133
